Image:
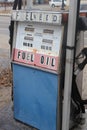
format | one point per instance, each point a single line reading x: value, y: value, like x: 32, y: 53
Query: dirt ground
x: 5, y: 71
x: 5, y: 87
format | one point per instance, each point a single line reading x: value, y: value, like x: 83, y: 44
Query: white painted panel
x: 37, y: 16
x: 42, y: 38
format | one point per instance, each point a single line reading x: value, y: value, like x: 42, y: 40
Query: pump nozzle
x: 83, y: 63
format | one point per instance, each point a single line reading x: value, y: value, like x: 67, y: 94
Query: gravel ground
x: 7, y: 121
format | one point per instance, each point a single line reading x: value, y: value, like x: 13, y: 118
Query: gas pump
x: 39, y: 56
x: 36, y: 45
x: 35, y: 63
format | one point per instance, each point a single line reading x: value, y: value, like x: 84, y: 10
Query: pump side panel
x: 35, y: 97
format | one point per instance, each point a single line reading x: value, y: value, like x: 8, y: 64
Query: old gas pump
x: 40, y: 95
x: 36, y: 46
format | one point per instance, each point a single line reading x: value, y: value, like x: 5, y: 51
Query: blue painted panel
x: 35, y: 97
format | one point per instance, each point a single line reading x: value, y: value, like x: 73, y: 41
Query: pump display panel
x: 38, y: 39
x: 38, y: 45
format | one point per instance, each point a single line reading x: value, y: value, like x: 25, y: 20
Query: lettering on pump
x: 40, y: 17
x: 47, y: 16
x: 25, y: 56
x: 54, y: 18
x: 48, y: 61
x: 42, y: 59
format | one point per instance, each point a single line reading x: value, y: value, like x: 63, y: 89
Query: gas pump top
x: 41, y: 16
x: 49, y: 36
x: 41, y: 35
x: 37, y: 16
